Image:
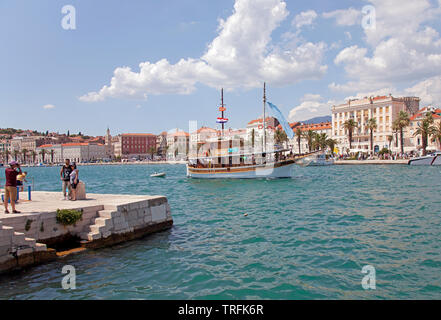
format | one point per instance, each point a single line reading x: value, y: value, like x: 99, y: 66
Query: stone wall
x: 101, y: 225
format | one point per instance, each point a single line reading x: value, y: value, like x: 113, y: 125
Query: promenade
x: 371, y: 162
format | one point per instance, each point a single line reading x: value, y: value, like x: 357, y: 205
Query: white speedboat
x: 158, y: 175
x: 317, y: 160
x: 433, y: 159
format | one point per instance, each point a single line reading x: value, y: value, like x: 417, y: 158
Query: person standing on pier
x: 74, y: 176
x: 11, y: 174
x: 65, y: 172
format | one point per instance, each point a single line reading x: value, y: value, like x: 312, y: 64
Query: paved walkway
x: 51, y: 201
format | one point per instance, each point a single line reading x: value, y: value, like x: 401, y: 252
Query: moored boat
x: 230, y: 159
x: 433, y: 159
x: 316, y: 160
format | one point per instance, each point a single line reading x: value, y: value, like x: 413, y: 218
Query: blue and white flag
x: 285, y: 125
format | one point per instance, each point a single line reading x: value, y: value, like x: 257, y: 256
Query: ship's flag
x: 222, y: 120
x: 285, y: 125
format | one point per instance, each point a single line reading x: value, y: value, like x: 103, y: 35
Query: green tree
x: 350, y: 125
x: 24, y: 152
x: 371, y: 125
x: 436, y: 136
x: 390, y: 139
x: 43, y: 154
x: 52, y: 153
x: 16, y: 154
x: 6, y: 154
x: 34, y: 155
x: 280, y: 136
x: 310, y: 137
x: 331, y: 144
x: 425, y: 129
x: 402, y: 122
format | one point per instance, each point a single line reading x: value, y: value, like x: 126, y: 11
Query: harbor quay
x: 36, y: 236
x: 371, y: 162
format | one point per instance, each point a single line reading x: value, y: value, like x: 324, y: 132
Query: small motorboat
x: 317, y: 160
x: 158, y: 175
x: 433, y: 159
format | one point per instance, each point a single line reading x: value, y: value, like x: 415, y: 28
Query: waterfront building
x: 318, y: 128
x: 416, y: 141
x: 178, y: 145
x: 384, y: 109
x: 76, y: 152
x: 255, y: 132
x: 137, y: 145
x: 161, y: 144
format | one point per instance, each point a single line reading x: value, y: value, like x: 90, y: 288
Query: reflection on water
x: 303, y: 238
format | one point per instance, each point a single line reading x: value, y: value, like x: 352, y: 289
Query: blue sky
x: 311, y: 53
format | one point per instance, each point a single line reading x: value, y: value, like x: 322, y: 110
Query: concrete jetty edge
x: 34, y: 236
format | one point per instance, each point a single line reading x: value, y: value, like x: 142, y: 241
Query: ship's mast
x: 264, y: 117
x: 222, y: 106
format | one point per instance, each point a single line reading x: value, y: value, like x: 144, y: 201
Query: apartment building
x: 384, y: 109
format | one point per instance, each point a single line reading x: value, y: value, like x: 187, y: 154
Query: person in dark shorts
x: 74, y: 179
x: 11, y: 174
x: 65, y: 172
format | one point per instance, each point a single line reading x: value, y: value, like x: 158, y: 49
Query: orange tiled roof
x: 315, y: 126
x: 138, y: 134
x: 45, y: 146
x: 259, y: 120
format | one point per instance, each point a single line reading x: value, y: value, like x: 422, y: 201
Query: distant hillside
x: 318, y: 120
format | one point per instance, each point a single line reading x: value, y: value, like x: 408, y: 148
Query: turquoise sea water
x: 304, y: 238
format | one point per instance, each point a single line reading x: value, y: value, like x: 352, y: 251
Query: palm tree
x: 16, y: 153
x: 310, y: 136
x: 425, y: 129
x: 436, y: 136
x: 390, y: 139
x: 42, y: 153
x: 280, y: 136
x: 152, y: 151
x: 395, y: 129
x: 402, y: 122
x: 52, y: 152
x: 372, y: 125
x: 34, y: 155
x: 331, y: 143
x: 24, y: 152
x: 321, y: 140
x: 350, y: 125
x: 7, y: 153
x: 299, y: 135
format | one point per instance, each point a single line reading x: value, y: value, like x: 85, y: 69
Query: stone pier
x: 29, y: 238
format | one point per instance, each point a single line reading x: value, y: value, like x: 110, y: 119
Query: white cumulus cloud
x: 305, y: 18
x: 402, y: 50
x: 48, y: 106
x: 242, y: 55
x: 312, y: 105
x: 344, y: 17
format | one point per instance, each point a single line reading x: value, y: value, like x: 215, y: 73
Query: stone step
x: 96, y: 228
x: 103, y: 222
x: 40, y: 247
x: 107, y: 213
x: 31, y: 242
x: 93, y: 236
